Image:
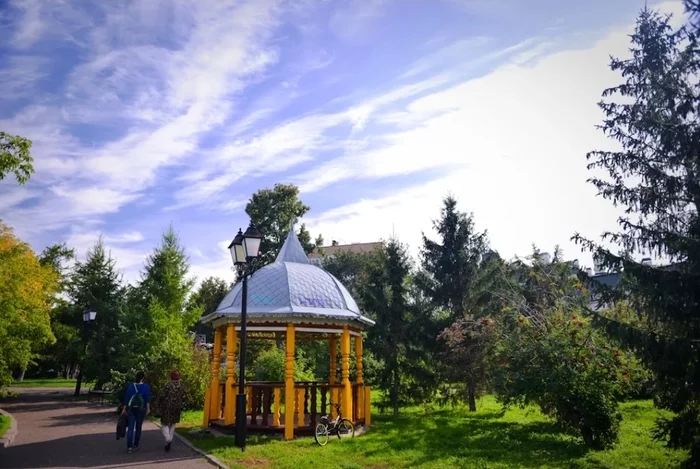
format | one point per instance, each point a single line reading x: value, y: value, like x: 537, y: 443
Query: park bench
x: 105, y: 391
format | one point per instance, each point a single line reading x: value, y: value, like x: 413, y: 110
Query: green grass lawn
x: 445, y: 438
x: 4, y: 424
x: 47, y: 383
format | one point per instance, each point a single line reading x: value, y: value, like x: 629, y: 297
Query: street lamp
x: 89, y: 317
x: 244, y: 248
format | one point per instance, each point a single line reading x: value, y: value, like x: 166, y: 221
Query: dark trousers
x: 135, y: 423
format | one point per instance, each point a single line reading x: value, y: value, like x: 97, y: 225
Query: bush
x: 567, y: 368
x: 191, y: 361
x: 269, y: 366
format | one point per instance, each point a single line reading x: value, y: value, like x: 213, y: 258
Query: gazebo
x: 294, y: 301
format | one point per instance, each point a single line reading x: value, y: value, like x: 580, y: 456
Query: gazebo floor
x: 262, y: 427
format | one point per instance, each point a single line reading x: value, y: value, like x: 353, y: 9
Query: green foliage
x: 548, y: 354
x: 157, y: 320
x: 384, y: 295
x: 207, y: 297
x: 654, y: 175
x: 66, y: 352
x: 15, y: 157
x: 26, y: 297
x: 451, y: 264
x: 455, y: 279
x: 96, y: 284
x: 270, y: 364
x: 5, y: 424
x: 272, y: 211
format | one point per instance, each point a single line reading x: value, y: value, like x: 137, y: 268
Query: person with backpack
x: 137, y: 405
x: 171, y: 401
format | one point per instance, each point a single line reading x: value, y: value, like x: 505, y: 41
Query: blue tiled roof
x: 292, y: 287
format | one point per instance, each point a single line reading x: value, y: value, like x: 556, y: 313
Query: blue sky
x: 145, y: 113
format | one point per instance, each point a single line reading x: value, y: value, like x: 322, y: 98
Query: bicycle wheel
x: 345, y: 429
x: 321, y: 434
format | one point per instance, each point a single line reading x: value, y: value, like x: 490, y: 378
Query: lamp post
x: 244, y: 248
x: 89, y: 317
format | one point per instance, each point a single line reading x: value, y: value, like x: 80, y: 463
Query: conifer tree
x: 655, y: 177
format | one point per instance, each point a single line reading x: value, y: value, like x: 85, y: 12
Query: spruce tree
x: 451, y: 266
x: 655, y: 176
x: 384, y: 295
x: 96, y: 284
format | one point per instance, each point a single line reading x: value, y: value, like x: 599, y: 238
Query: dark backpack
x: 121, y: 426
x: 137, y: 403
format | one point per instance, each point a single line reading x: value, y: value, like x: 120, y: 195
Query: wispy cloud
x: 20, y: 76
x: 146, y: 113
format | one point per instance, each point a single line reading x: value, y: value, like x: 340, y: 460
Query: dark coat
x: 171, y: 401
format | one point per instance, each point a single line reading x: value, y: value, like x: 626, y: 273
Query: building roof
x: 356, y: 248
x: 291, y: 289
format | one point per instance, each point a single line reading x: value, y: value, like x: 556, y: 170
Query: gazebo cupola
x: 289, y: 299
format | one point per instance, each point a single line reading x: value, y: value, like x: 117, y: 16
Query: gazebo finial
x: 292, y: 250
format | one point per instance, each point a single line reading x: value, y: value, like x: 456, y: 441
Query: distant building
x: 317, y: 255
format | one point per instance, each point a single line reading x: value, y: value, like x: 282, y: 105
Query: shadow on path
x: 95, y: 450
x: 59, y: 433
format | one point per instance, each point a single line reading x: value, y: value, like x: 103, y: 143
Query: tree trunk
x: 471, y: 390
x: 395, y: 392
x: 78, y: 383
x: 20, y: 378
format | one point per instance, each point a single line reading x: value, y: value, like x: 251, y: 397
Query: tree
x: 452, y: 263
x: 63, y: 355
x: 272, y: 211
x: 549, y: 354
x: 96, y: 284
x: 26, y: 297
x: 157, y: 322
x: 385, y: 295
x: 208, y: 296
x: 655, y: 176
x: 450, y: 268
x: 15, y: 157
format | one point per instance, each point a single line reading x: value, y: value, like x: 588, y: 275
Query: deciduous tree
x: 272, y: 211
x: 15, y: 157
x: 26, y: 298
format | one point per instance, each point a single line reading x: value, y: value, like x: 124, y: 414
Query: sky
x: 148, y: 113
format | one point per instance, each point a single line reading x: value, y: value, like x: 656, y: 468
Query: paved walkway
x: 57, y: 433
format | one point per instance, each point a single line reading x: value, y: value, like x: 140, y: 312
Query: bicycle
x: 340, y: 426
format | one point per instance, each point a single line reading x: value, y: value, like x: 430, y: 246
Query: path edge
x: 9, y: 436
x: 211, y: 459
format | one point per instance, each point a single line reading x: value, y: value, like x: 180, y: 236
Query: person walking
x: 137, y: 405
x: 171, y: 402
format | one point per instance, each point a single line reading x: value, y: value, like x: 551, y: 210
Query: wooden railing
x: 312, y: 401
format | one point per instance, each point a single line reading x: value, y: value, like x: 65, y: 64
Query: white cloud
x: 166, y: 98
x: 512, y: 145
x: 353, y: 18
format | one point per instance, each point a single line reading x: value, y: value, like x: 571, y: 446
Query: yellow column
x: 276, y: 408
x: 333, y: 351
x: 289, y: 385
x: 207, y: 408
x: 360, y: 378
x: 368, y: 405
x: 230, y: 407
x: 346, y: 401
x: 301, y: 420
x: 215, y: 401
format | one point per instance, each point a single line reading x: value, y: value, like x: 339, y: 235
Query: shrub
x: 191, y: 361
x: 562, y: 364
x: 270, y: 364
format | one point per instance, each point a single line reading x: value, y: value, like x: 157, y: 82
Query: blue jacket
x: 143, y: 388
